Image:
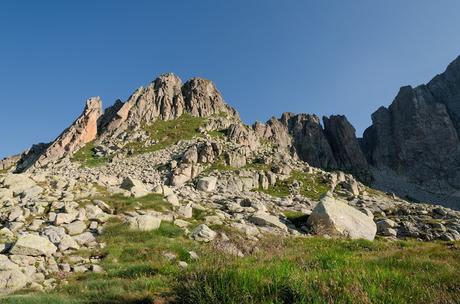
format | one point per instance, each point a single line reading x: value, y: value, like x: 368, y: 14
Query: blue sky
x: 266, y: 57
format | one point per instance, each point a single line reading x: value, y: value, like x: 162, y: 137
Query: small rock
x: 207, y: 183
x: 203, y: 233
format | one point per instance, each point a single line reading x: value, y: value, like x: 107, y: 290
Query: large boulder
x: 335, y: 218
x: 33, y: 245
x: 20, y: 183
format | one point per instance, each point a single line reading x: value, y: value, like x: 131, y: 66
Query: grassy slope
x: 87, y: 157
x: 169, y: 132
x: 298, y: 270
x: 165, y: 132
x: 312, y: 186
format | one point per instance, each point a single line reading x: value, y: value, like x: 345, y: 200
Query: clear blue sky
x: 266, y: 57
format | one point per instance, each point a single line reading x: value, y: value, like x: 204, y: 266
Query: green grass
x: 328, y: 271
x: 312, y: 186
x: 217, y: 133
x: 87, y: 156
x: 169, y: 132
x: 295, y: 270
x: 121, y: 203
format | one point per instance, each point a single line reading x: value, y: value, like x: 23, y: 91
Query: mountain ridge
x: 415, y: 140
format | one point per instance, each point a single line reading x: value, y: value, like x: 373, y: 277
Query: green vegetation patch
x: 121, y: 203
x: 169, y: 132
x: 294, y: 270
x: 312, y: 186
x: 328, y: 271
x: 217, y: 133
x: 87, y: 156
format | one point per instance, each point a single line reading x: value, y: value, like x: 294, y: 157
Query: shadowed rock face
x: 417, y: 138
x: 345, y: 147
x: 309, y: 139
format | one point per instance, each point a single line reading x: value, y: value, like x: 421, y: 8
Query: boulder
x: 144, y: 222
x: 335, y: 218
x: 207, y: 183
x: 185, y: 211
x: 203, y: 233
x: 262, y: 218
x: 136, y: 187
x: 173, y: 200
x: 386, y: 227
x: 76, y: 227
x: 18, y: 183
x: 33, y: 245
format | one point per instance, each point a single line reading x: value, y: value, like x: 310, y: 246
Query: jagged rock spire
x: 80, y: 132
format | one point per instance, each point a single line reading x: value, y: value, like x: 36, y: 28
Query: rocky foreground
x: 179, y: 154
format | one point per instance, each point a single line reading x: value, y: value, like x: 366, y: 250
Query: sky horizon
x: 264, y: 57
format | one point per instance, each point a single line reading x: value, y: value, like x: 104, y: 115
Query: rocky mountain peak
x: 202, y: 99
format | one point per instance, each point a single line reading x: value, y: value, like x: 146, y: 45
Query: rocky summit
x: 176, y: 155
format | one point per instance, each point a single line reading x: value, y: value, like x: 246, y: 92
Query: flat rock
x: 33, y: 245
x: 264, y: 219
x: 144, y: 222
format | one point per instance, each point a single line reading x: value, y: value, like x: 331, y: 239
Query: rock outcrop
x: 161, y: 99
x: 414, y: 143
x: 81, y: 132
x: 333, y: 147
x: 345, y: 147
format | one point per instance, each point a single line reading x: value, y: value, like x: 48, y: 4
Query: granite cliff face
x: 413, y: 145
